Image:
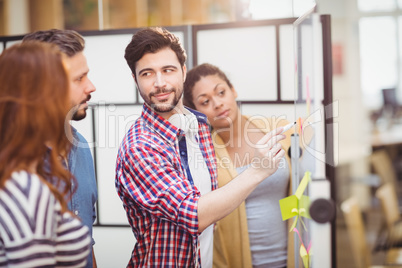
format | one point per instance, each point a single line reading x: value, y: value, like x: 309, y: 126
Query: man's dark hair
x: 195, y: 75
x: 151, y: 40
x: 69, y: 42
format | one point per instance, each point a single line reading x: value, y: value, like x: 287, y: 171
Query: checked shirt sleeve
x: 153, y: 178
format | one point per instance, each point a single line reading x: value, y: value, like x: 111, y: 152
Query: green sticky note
x: 304, y: 205
x: 289, y: 207
x: 305, y: 255
x: 303, y: 184
x: 293, y: 224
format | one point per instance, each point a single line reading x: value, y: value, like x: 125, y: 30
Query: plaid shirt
x: 160, y: 200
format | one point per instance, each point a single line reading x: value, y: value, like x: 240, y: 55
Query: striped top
x: 33, y: 230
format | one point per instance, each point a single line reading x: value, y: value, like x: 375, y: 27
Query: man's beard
x: 162, y: 107
x: 79, y: 114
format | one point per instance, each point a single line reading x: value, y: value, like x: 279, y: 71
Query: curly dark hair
x: 194, y: 75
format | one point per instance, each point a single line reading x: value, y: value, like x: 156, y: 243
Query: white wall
x: 113, y: 246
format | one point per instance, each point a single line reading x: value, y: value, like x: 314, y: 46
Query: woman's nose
x: 217, y: 103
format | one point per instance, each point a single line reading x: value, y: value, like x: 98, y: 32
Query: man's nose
x: 159, y: 80
x: 90, y: 87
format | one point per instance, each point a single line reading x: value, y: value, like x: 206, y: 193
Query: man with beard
x: 79, y: 161
x: 166, y: 167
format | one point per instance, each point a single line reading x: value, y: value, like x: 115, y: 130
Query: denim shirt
x: 80, y: 164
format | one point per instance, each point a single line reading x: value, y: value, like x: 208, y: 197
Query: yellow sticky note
x: 303, y: 184
x: 289, y: 207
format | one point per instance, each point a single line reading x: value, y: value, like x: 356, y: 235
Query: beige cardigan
x: 231, y: 240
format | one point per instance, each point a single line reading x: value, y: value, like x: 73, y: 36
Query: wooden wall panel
x: 45, y: 14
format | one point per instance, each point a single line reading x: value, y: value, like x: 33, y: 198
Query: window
x: 272, y: 9
x: 380, y: 36
x: 378, y: 57
x: 376, y: 5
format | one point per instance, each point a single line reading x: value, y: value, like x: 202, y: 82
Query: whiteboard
x: 283, y: 111
x: 112, y: 122
x: 287, y: 62
x: 246, y: 55
x: 109, y: 71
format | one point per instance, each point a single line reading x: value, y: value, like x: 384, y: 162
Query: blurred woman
x: 36, y: 229
x: 253, y: 235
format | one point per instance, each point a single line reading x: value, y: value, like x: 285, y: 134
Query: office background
x: 367, y: 57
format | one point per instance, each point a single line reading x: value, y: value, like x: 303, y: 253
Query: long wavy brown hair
x: 34, y: 102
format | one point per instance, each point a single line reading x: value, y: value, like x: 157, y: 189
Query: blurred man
x: 79, y: 161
